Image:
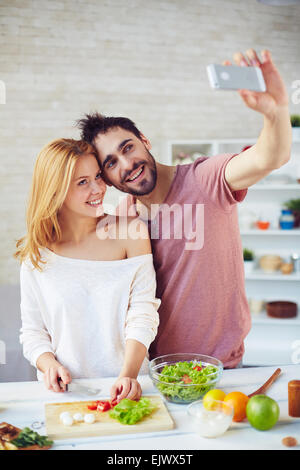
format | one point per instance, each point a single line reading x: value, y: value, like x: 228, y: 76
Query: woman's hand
x: 126, y: 387
x: 56, y: 377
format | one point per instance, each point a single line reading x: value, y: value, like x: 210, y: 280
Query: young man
x: 198, y: 253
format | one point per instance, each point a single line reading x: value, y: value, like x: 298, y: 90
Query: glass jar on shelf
x: 295, y: 259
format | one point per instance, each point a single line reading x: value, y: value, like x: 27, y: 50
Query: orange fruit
x: 239, y: 402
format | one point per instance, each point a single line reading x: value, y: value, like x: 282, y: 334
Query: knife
x: 78, y: 388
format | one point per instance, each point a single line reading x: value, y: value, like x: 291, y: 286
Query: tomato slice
x: 93, y: 406
x: 103, y: 406
x: 186, y: 379
x: 197, y: 368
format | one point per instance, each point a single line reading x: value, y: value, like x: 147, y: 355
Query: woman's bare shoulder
x: 135, y: 235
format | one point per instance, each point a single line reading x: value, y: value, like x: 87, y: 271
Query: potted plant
x: 248, y: 260
x: 295, y: 122
x: 294, y: 206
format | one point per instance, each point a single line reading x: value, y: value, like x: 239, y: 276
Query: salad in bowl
x: 184, y: 378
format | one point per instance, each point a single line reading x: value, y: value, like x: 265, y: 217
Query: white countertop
x: 22, y: 403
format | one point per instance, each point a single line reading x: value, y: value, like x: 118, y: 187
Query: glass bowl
x: 166, y: 374
x: 212, y: 422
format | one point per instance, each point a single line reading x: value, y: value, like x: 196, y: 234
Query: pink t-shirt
x: 200, y: 280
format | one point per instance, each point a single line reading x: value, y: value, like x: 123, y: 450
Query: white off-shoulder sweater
x: 83, y: 311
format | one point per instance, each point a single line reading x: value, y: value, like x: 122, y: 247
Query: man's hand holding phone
x: 275, y: 96
x: 273, y: 146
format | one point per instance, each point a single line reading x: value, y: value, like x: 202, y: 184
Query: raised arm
x: 273, y: 147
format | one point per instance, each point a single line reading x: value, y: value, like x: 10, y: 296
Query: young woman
x: 88, y: 302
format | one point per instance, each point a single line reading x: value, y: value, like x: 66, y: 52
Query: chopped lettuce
x: 174, y: 388
x: 130, y: 411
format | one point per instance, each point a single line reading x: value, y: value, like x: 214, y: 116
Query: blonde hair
x: 52, y: 175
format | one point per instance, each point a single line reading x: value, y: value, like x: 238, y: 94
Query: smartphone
x: 235, y: 77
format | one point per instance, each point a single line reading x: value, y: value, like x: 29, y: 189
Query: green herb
x: 295, y: 120
x: 293, y: 204
x: 174, y: 388
x: 130, y: 411
x: 28, y: 437
x: 248, y: 254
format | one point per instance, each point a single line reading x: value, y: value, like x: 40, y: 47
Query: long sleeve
x: 142, y: 319
x: 81, y: 310
x: 34, y: 336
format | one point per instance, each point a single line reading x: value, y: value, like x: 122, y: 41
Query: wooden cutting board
x: 104, y: 425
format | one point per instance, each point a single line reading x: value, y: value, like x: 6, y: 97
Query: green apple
x: 262, y: 412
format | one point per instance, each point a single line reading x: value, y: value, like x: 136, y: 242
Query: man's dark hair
x: 93, y: 124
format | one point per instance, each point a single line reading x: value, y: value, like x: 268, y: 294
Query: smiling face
x: 126, y: 161
x: 87, y: 188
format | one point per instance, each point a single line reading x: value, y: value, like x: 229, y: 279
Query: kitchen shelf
x: 205, y: 147
x: 289, y: 233
x: 263, y: 318
x: 209, y: 147
x: 274, y: 187
x: 270, y: 339
x: 258, y: 275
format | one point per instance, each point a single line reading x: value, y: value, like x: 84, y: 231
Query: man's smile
x: 136, y: 174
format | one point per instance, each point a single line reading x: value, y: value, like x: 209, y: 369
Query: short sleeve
x: 209, y: 173
x: 142, y: 318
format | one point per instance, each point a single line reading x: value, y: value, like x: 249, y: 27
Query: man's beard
x: 146, y: 186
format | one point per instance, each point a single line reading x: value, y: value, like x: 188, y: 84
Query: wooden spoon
x: 267, y: 384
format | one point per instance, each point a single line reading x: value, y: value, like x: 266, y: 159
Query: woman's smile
x: 95, y: 202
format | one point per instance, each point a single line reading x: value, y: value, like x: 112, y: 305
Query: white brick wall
x: 144, y: 59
